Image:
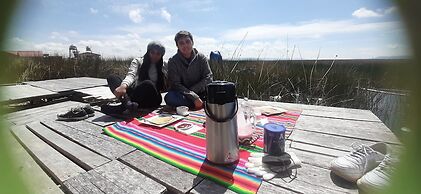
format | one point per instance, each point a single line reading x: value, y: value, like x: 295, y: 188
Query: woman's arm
x: 129, y: 79
x: 131, y: 75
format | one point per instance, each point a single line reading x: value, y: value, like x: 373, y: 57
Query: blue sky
x: 272, y: 29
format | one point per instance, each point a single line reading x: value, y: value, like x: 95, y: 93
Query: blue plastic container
x: 274, y: 139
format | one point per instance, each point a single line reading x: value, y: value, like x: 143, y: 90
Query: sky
x: 264, y: 29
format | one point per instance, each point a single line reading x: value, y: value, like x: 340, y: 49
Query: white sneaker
x: 362, y: 159
x: 378, y: 178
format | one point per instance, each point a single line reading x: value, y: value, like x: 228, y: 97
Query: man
x: 188, y: 74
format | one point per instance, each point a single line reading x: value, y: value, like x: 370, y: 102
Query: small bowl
x: 182, y: 110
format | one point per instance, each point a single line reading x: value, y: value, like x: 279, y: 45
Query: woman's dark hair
x: 144, y: 70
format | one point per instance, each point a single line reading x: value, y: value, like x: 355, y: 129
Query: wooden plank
x: 322, y: 111
x: 25, y: 112
x: 317, y: 149
x: 296, y: 106
x: 21, y: 92
x: 103, y: 145
x: 347, y: 128
x: 78, y: 154
x: 362, y: 115
x: 35, y: 179
x: 99, y: 92
x: 58, y: 166
x: 207, y: 186
x: 327, y: 140
x: 62, y: 85
x: 55, y: 85
x: 314, y: 159
x: 40, y: 110
x: 312, y: 179
x: 88, y: 127
x: 46, y: 114
x: 93, y: 180
x: 128, y: 178
x: 102, y: 183
x: 102, y: 119
x: 303, y: 182
x: 81, y: 185
x: 173, y: 178
x: 90, y: 81
x: 268, y: 188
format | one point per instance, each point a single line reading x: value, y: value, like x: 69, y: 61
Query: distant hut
x: 25, y: 54
x: 88, y: 54
x: 73, y: 52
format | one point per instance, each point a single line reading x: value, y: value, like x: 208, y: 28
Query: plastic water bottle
x: 246, y: 120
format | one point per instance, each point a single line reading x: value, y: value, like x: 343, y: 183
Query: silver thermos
x: 221, y: 108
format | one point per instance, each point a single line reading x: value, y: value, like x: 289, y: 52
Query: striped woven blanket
x: 188, y: 152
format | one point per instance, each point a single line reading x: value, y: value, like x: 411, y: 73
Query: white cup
x: 182, y: 110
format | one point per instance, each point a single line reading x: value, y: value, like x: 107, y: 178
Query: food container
x: 274, y: 139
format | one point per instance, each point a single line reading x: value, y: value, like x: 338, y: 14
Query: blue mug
x: 274, y: 139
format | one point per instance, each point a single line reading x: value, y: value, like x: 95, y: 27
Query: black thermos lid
x: 220, y: 92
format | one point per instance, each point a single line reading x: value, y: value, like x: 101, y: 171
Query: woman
x: 142, y: 86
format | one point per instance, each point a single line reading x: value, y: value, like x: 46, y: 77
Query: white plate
x: 193, y: 128
x: 270, y: 110
x: 174, y: 119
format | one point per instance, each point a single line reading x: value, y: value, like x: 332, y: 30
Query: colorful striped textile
x: 188, y: 152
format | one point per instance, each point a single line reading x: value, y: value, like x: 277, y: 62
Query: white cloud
x: 314, y: 29
x: 65, y: 36
x: 135, y: 16
x: 365, y: 13
x: 267, y: 39
x: 17, y: 39
x: 73, y: 33
x: 393, y: 46
x: 166, y: 15
x: 93, y: 11
x: 198, y: 5
x: 58, y: 36
x: 126, y: 8
x: 390, y: 10
x: 148, y: 30
x: 134, y: 45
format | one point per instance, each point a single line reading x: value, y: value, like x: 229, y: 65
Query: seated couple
x: 184, y: 77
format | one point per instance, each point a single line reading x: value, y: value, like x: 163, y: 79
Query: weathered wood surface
x: 375, y: 131
x: 323, y: 111
x: 48, y: 112
x: 68, y: 84
x: 57, y: 165
x: 23, y: 92
x: 85, y: 158
x: 93, y: 181
x: 99, y: 143
x: 35, y: 179
x: 173, y: 178
x: 102, y: 119
x: 321, y: 134
x: 113, y: 177
x: 99, y: 92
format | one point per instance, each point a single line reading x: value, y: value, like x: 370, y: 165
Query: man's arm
x: 206, y: 76
x: 175, y: 81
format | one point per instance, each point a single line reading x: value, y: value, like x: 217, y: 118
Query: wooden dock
x: 76, y: 157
